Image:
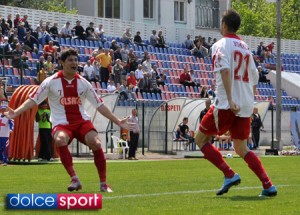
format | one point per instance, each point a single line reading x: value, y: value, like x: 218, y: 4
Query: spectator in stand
x: 50, y: 50
x: 9, y: 21
x: 49, y: 66
x: 185, y: 78
x: 117, y: 71
x: 41, y: 23
x: 124, y: 53
x: 114, y: 45
x: 18, y: 60
x: 47, y: 26
x: 111, y: 87
x: 131, y: 81
x: 79, y: 31
x: 262, y: 75
x: 209, y: 42
x: 21, y: 32
x: 155, y: 88
x: 153, y: 39
x: 134, y: 135
x: 105, y: 61
x: 125, y: 92
x: 7, y: 48
x: 145, y: 55
x: 29, y: 42
x: 133, y: 65
x: 189, y: 44
x: 139, y: 73
x: 112, y: 54
x: 26, y: 24
x: 261, y: 49
x: 17, y: 20
x: 13, y: 45
x: 100, y: 33
x: 127, y: 37
x: 89, y: 72
x: 117, y: 54
x: 269, y: 52
x: 53, y: 31
x: 154, y: 70
x: 40, y: 64
x: 147, y: 67
x: 205, y: 110
x: 204, y: 92
x: 131, y: 55
x: 211, y: 91
x: 4, y: 27
x: 37, y: 33
x: 138, y: 40
x: 66, y: 31
x: 145, y: 84
x: 90, y: 32
x: 270, y: 47
x: 161, y: 40
x: 162, y: 78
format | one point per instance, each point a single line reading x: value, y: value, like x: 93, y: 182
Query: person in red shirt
x: 50, y: 50
x: 131, y: 81
x: 185, y: 78
x: 270, y: 48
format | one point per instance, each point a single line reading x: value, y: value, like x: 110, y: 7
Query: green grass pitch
x: 185, y: 186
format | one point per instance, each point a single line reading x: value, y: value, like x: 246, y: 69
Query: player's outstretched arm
x: 11, y: 113
x: 104, y: 110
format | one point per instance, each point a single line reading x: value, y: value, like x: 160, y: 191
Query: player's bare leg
x: 212, y: 154
x: 256, y: 166
x: 93, y: 141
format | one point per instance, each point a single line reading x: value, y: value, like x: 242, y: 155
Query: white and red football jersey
x: 232, y: 53
x: 66, y: 98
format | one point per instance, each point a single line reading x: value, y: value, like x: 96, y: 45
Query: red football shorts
x: 217, y: 121
x: 77, y: 131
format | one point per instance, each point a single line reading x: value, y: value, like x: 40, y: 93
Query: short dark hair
x: 232, y: 19
x: 65, y: 54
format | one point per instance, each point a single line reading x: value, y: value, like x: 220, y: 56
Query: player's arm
x: 28, y: 104
x: 226, y: 79
x: 105, y: 111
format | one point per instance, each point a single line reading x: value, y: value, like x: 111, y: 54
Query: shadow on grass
x: 248, y: 198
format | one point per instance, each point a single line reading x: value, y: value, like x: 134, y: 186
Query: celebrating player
x: 67, y: 91
x: 236, y: 77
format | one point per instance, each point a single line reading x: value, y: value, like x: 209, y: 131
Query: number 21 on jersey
x: 242, y: 64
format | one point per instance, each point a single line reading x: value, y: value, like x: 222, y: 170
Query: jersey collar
x: 233, y: 36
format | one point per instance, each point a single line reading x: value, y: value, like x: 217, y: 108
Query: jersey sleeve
x: 220, y: 59
x: 92, y: 96
x: 42, y: 92
x: 254, y: 71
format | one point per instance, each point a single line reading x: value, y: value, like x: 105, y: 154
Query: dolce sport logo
x: 54, y: 201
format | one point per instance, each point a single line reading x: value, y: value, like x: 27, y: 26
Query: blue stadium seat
x: 68, y: 42
x: 159, y: 97
x: 9, y: 72
x: 33, y: 72
x: 73, y: 43
x: 103, y: 85
x: 26, y: 81
x: 62, y: 41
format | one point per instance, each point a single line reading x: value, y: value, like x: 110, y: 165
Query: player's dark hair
x: 69, y: 52
x: 232, y: 19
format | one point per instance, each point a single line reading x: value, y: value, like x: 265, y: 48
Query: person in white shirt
x: 236, y: 77
x: 100, y: 32
x: 139, y: 73
x: 111, y: 87
x: 66, y: 31
x: 89, y: 72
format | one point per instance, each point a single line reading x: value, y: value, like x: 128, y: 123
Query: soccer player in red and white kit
x: 67, y: 91
x: 236, y: 77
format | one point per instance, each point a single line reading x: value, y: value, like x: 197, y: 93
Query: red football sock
x: 100, y: 163
x: 212, y: 154
x: 256, y: 166
x: 66, y: 159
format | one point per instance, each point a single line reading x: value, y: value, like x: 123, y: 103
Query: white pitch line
x: 181, y: 192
